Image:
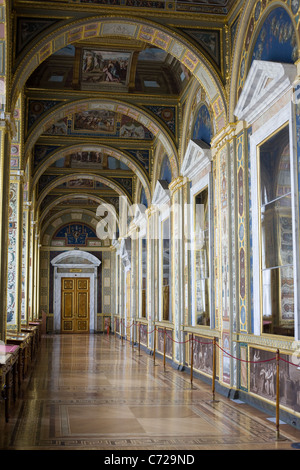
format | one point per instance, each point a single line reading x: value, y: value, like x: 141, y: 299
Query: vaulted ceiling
x: 96, y: 106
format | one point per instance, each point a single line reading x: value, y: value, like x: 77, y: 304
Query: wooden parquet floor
x: 95, y: 392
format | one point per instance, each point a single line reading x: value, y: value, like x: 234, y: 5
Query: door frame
x: 74, y: 317
x: 63, y: 268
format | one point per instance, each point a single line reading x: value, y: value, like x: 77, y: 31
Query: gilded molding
x: 177, y: 184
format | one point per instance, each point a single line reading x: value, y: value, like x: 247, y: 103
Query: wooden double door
x: 75, y: 305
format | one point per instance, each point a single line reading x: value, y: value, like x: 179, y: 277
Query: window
x: 276, y: 235
x: 144, y: 275
x: 201, y: 258
x: 166, y: 270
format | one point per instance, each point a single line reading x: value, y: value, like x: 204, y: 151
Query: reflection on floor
x: 97, y: 392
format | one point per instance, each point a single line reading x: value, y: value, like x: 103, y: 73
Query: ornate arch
x: 80, y: 255
x: 118, y: 154
x: 63, y: 179
x: 193, y: 102
x: 133, y: 28
x: 52, y: 224
x: 67, y: 197
x: 60, y: 111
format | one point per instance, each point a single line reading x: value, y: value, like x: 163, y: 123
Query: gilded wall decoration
x: 36, y: 108
x: 233, y: 31
x: 41, y: 152
x: 209, y: 40
x: 24, y: 266
x: 126, y: 183
x: 167, y: 114
x: 219, y: 7
x: 242, y: 233
x: 12, y: 311
x: 142, y: 156
x: 28, y: 29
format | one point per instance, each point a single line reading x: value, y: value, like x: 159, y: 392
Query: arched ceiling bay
x: 103, y: 93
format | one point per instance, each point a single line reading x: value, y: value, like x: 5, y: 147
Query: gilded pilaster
x: 134, y: 286
x: 187, y: 251
x: 37, y: 277
x: 152, y: 215
x: 226, y: 272
x: 14, y: 287
x: 296, y: 110
x: 25, y: 264
x: 31, y: 264
x: 178, y: 263
x: 5, y: 142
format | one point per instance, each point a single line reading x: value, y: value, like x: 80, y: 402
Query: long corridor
x: 96, y: 392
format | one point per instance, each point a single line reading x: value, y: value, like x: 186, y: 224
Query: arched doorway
x: 75, y: 291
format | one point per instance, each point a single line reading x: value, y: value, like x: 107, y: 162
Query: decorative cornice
x: 265, y: 84
x: 7, y: 121
x: 161, y: 193
x: 197, y: 157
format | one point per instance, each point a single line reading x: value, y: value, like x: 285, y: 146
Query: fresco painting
x: 101, y: 68
x: 277, y: 40
x: 203, y: 126
x: 75, y: 234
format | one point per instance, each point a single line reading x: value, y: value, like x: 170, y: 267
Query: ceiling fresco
x: 219, y: 7
x: 135, y: 90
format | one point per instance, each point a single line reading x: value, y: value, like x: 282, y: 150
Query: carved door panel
x: 75, y: 305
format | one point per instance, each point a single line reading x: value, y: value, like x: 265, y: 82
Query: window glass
x: 277, y: 274
x: 201, y: 259
x: 166, y: 259
x: 144, y: 276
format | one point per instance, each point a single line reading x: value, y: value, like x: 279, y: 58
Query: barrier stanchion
x: 277, y: 394
x: 139, y: 339
x: 278, y: 437
x: 115, y: 328
x: 165, y: 348
x: 154, y: 345
x: 133, y: 336
x: 214, y: 370
x: 192, y: 358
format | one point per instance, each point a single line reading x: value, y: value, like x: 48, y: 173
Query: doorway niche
x: 75, y: 263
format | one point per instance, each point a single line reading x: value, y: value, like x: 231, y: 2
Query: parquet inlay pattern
x: 98, y: 393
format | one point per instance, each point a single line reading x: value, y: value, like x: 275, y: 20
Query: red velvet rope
x: 211, y: 342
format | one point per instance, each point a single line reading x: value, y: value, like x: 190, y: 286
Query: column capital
x: 7, y: 122
x: 226, y: 135
x: 17, y: 176
x: 177, y: 184
x: 153, y: 209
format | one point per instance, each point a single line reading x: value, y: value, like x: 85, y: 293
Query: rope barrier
x: 292, y: 364
x: 132, y: 324
x: 178, y: 342
x: 192, y: 340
